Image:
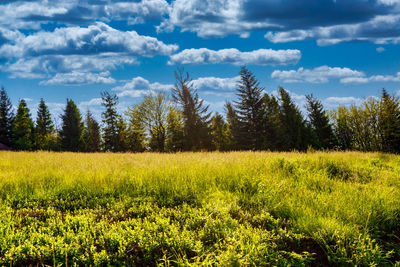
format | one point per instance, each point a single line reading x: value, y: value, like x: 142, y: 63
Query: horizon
x: 341, y: 52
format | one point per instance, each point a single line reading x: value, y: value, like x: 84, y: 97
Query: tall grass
x: 200, y: 208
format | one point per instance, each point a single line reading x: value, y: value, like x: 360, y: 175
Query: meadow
x: 191, y: 209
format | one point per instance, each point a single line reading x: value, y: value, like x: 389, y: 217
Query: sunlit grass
x: 199, y: 208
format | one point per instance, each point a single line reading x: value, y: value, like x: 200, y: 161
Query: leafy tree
x: 135, y: 130
x: 342, y: 130
x: 92, y: 134
x: 71, y: 133
x: 250, y: 110
x: 175, y: 130
x: 389, y: 122
x: 153, y: 112
x: 220, y: 133
x: 23, y: 128
x: 111, y: 118
x: 296, y: 134
x: 195, y: 115
x: 320, y: 122
x: 6, y: 118
x: 44, y: 126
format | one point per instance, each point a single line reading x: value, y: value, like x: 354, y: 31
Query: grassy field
x: 239, y: 208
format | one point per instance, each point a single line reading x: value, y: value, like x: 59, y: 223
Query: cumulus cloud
x: 95, y: 39
x: 97, y: 48
x: 373, y: 78
x: 217, y: 18
x: 140, y: 83
x: 320, y: 74
x: 235, y: 57
x: 31, y: 14
x: 380, y: 30
x: 80, y: 78
x: 334, y: 102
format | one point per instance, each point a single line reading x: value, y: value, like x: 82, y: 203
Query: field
x: 239, y: 208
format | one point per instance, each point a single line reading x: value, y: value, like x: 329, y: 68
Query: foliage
x: 6, y: 118
x: 23, y: 131
x: 250, y: 111
x: 44, y: 127
x: 238, y: 208
x: 71, y: 133
x: 92, y: 135
x: 195, y: 113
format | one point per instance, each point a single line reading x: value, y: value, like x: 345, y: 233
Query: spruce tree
x: 389, y: 122
x: 111, y: 118
x: 272, y: 126
x: 233, y: 127
x: 6, y: 118
x: 320, y: 122
x: 195, y: 114
x: 250, y: 110
x: 23, y: 128
x: 135, y: 130
x: 92, y: 135
x: 296, y: 134
x: 44, y: 125
x: 71, y: 133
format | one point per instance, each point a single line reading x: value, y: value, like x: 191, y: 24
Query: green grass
x: 239, y: 208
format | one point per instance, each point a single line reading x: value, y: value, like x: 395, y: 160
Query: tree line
x: 254, y: 121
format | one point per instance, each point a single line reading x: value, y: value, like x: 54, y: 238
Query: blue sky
x: 341, y: 51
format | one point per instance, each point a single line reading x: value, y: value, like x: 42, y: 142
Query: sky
x: 341, y: 51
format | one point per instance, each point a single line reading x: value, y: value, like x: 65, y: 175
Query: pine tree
x: 110, y: 121
x: 23, y: 128
x: 320, y: 122
x: 6, y: 118
x: 389, y: 122
x: 71, y: 133
x: 296, y: 134
x: 272, y: 126
x: 92, y: 135
x: 44, y: 126
x: 250, y: 110
x: 233, y: 131
x: 195, y: 115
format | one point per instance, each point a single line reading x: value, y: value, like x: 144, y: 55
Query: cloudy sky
x: 342, y: 51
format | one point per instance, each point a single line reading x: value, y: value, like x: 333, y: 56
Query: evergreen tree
x: 92, y: 134
x: 110, y: 121
x: 296, y: 134
x: 250, y: 110
x: 6, y: 118
x: 44, y: 126
x: 195, y: 115
x: 23, y: 128
x: 123, y: 136
x: 272, y: 124
x: 71, y: 133
x: 389, y: 122
x: 320, y: 122
x: 341, y: 127
x: 233, y: 131
x: 175, y: 130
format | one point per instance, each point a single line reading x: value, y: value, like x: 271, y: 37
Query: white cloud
x: 215, y: 83
x: 380, y: 30
x: 140, y: 83
x: 373, y: 78
x: 334, y: 102
x: 95, y: 39
x: 236, y: 57
x: 320, y: 74
x: 80, y: 78
x: 380, y: 49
